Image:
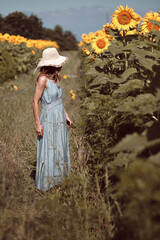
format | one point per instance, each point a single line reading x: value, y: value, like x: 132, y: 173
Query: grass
x: 71, y: 211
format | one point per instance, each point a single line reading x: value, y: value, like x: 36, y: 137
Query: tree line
x: 17, y: 23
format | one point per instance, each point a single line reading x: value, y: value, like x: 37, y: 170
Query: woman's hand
x: 39, y: 130
x: 69, y: 120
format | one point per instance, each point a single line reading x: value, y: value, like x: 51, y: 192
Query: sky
x: 78, y: 16
x: 35, y: 6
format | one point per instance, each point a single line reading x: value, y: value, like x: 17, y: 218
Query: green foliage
x: 120, y: 108
x: 16, y: 59
x: 7, y: 66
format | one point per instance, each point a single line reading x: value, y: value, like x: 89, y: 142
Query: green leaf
x: 134, y: 142
x: 127, y: 87
x: 92, y: 71
x: 143, y: 60
x: 128, y: 72
x: 101, y: 63
x: 147, y: 63
x: 142, y: 104
x: 156, y: 34
x: 100, y: 79
x: 91, y: 106
x: 124, y: 76
x: 117, y: 80
x: 115, y: 48
x: 130, y: 142
x: 155, y: 159
x: 154, y: 22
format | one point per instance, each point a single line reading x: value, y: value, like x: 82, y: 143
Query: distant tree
x: 69, y: 41
x: 35, y: 27
x: 58, y: 35
x: 15, y: 23
x: 66, y: 40
x: 48, y: 34
x: 1, y: 23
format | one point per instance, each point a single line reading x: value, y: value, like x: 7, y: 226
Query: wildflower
x: 71, y: 92
x: 15, y: 87
x: 73, y: 96
x: 64, y: 76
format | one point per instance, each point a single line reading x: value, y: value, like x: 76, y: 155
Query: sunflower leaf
x: 100, y: 79
x: 154, y: 22
x: 131, y: 142
x: 142, y: 104
x: 92, y: 71
x: 115, y: 48
x: 100, y: 63
x: 128, y: 73
x: 127, y: 87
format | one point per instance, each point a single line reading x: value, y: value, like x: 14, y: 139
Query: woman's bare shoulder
x: 42, y: 80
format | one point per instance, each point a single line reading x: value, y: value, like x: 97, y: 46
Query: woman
x: 53, y: 158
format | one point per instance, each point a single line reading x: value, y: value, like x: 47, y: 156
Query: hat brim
x: 54, y: 63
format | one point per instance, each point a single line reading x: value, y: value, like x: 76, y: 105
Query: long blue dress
x: 53, y: 157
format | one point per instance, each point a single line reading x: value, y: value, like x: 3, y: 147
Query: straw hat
x: 51, y: 57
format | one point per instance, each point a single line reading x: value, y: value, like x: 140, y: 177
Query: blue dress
x: 53, y: 157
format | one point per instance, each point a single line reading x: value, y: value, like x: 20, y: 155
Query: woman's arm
x: 41, y: 84
x: 67, y: 117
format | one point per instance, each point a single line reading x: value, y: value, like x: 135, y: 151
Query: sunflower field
x: 120, y: 103
x: 19, y: 55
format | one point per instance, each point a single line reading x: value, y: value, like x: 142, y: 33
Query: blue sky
x: 8, y: 6
x: 78, y: 16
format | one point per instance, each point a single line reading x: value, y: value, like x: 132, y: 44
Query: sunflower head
x: 80, y: 43
x: 147, y: 25
x: 84, y: 36
x: 124, y: 18
x: 137, y: 18
x: 100, y: 44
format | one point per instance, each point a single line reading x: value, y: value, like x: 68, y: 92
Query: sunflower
x: 132, y: 32
x: 146, y: 25
x: 100, y: 44
x: 84, y: 36
x: 88, y: 39
x: 29, y: 45
x: 80, y: 43
x: 106, y: 32
x: 137, y: 18
x: 124, y: 18
x: 86, y: 51
x: 107, y: 25
x: 99, y: 33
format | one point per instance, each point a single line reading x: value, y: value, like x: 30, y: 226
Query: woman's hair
x: 50, y: 72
